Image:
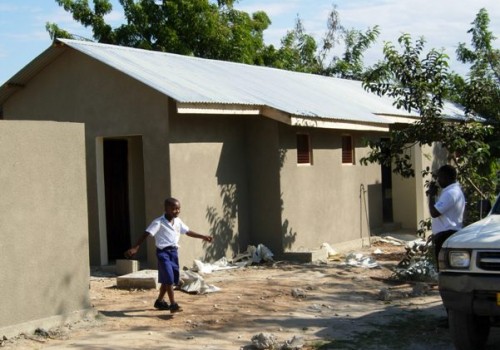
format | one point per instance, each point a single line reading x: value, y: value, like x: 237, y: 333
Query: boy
x: 166, y: 231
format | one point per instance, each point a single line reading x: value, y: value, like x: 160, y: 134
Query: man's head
x: 172, y: 207
x: 446, y: 175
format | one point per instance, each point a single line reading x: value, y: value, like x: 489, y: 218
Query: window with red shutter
x: 304, y: 153
x: 347, y: 150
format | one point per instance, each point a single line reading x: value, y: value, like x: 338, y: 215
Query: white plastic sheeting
x: 193, y: 282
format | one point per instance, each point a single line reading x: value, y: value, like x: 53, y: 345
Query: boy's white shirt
x: 166, y: 234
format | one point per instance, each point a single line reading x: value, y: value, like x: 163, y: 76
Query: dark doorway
x: 387, y: 193
x: 117, y: 197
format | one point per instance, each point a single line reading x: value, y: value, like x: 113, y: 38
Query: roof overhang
x: 272, y: 113
x: 400, y: 119
x: 323, y: 123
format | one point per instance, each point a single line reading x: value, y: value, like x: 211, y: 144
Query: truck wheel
x: 468, y: 332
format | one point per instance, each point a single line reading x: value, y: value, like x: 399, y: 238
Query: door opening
x: 116, y: 185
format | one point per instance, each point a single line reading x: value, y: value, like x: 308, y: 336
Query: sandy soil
x: 324, y: 306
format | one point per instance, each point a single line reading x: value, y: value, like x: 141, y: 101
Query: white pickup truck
x: 469, y: 280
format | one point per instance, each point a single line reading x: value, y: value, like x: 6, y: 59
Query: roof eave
x: 272, y: 113
x: 21, y: 78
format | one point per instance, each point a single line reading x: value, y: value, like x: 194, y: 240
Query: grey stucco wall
x: 209, y: 178
x: 327, y: 202
x: 44, y: 259
x: 265, y: 160
x: 238, y: 179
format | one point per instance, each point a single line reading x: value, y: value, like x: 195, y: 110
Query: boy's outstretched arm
x: 132, y: 251
x: 200, y: 236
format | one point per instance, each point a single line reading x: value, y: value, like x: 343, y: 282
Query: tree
x: 331, y: 38
x: 187, y: 27
x: 351, y: 66
x: 300, y: 52
x: 480, y: 91
x: 297, y: 52
x: 419, y: 82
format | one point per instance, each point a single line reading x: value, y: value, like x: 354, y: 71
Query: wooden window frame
x: 304, y: 150
x: 347, y: 149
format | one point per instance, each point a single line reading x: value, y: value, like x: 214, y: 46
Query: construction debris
x: 359, y: 260
x: 270, y: 341
x: 265, y: 341
x: 193, y: 282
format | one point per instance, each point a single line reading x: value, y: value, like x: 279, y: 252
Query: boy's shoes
x: 175, y: 308
x: 161, y: 305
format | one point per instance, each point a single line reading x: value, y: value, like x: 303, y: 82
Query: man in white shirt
x: 448, y: 211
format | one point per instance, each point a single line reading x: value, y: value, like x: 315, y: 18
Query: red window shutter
x: 303, y: 149
x: 347, y: 153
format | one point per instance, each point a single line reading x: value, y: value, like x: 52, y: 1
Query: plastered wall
x: 327, y: 202
x: 44, y: 259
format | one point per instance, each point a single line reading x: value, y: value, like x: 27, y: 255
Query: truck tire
x: 468, y: 332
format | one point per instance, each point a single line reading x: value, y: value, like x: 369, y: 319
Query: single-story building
x: 254, y: 154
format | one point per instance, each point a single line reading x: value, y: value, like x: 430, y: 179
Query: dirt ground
x: 327, y: 305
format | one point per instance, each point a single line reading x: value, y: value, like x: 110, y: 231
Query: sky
x: 443, y: 24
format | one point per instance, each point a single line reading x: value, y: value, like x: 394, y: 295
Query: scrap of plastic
x: 330, y: 252
x: 392, y: 240
x: 194, y: 283
x: 204, y: 268
x: 360, y: 261
x: 261, y: 253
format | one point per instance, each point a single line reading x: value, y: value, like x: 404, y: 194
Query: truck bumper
x: 471, y: 294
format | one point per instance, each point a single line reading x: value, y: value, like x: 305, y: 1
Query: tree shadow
x: 289, y: 236
x: 222, y: 225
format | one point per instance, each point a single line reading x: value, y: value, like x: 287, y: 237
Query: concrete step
x: 143, y: 279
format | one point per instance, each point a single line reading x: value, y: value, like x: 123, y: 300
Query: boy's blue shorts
x: 168, y: 266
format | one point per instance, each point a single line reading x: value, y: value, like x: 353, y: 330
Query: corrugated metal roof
x: 204, y: 81
x: 196, y: 80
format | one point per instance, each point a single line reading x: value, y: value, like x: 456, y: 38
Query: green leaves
x: 415, y: 80
x: 189, y: 27
x: 481, y: 93
x: 351, y: 66
x: 420, y: 82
